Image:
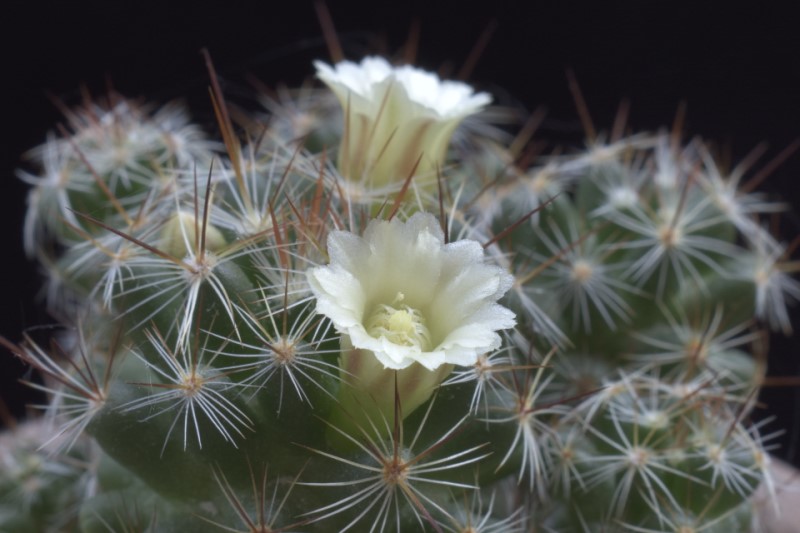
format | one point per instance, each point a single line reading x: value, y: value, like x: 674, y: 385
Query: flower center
x: 400, y: 324
x: 581, y: 271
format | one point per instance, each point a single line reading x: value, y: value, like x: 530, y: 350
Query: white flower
x: 396, y: 118
x: 409, y: 307
x: 403, y: 294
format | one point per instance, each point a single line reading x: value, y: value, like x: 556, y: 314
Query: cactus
x: 367, y: 314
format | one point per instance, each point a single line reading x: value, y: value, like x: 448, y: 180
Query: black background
x: 736, y: 69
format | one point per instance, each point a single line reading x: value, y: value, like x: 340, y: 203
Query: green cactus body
x: 271, y: 338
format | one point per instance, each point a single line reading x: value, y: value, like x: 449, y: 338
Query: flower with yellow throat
x: 407, y: 303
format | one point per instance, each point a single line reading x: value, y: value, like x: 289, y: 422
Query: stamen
x: 402, y: 325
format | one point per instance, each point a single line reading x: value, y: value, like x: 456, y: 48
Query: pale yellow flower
x: 397, y: 120
x: 404, y: 300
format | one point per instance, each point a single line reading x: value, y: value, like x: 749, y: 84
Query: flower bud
x: 181, y: 236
